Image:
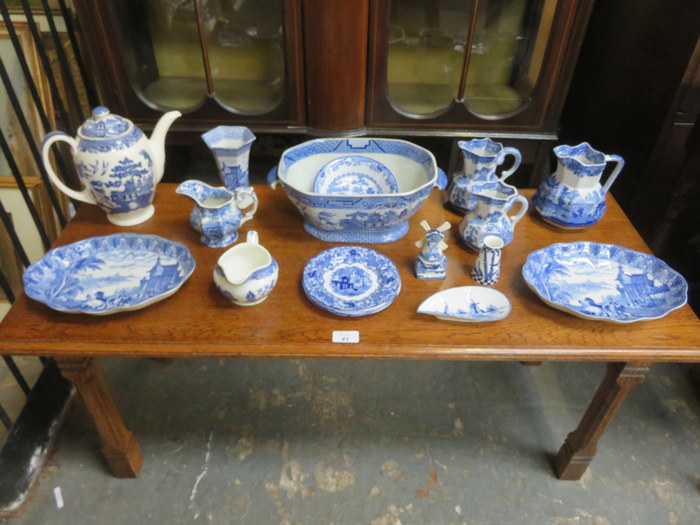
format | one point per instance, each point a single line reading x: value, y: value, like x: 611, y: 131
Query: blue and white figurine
x: 246, y: 273
x: 573, y: 197
x: 230, y: 146
x: 487, y: 268
x: 217, y: 212
x: 118, y: 165
x: 431, y: 263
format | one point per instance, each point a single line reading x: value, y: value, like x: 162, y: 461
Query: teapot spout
x: 158, y: 142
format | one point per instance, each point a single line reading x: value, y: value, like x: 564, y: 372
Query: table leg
x: 580, y: 446
x: 119, y: 446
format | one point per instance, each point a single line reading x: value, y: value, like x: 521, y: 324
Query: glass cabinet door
x: 484, y: 54
x: 179, y: 53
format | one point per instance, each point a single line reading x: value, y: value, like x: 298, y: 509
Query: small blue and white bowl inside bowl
x: 352, y: 218
x: 355, y: 175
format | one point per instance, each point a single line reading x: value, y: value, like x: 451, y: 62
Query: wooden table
x: 199, y: 322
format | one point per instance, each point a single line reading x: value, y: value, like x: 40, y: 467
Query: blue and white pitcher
x: 481, y: 159
x: 572, y: 197
x: 118, y: 165
x: 230, y: 146
x: 218, y: 212
x: 494, y: 200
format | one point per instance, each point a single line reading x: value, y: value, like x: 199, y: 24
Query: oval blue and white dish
x: 351, y: 281
x: 105, y: 275
x: 355, y: 175
x: 604, y: 282
x: 358, y: 219
x: 471, y: 304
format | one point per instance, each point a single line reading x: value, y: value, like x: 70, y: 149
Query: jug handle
x: 524, y: 204
x: 83, y: 195
x: 516, y: 161
x: 620, y: 164
x: 272, y: 179
x: 442, y: 180
x: 252, y: 237
x: 247, y: 192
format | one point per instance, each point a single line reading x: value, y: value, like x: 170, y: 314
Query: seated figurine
x: 431, y: 262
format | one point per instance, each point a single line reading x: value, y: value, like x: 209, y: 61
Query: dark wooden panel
x: 335, y: 57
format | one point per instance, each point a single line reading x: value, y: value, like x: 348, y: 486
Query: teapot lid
x: 104, y: 125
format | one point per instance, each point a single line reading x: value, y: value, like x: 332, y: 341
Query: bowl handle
x: 272, y: 179
x: 441, y: 182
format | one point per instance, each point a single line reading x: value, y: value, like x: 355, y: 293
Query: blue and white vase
x: 481, y: 159
x: 118, y: 165
x: 572, y: 197
x: 487, y: 268
x: 230, y: 146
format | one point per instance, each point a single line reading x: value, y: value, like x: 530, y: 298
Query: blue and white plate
x: 472, y: 304
x: 351, y: 281
x: 604, y: 282
x: 355, y: 175
x: 105, y: 275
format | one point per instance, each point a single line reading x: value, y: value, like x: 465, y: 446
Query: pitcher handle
x: 524, y: 204
x: 516, y: 161
x: 620, y: 164
x: 272, y: 179
x: 248, y: 192
x: 442, y: 180
x: 252, y: 237
x: 83, y: 195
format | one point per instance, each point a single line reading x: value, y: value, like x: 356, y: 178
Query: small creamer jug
x: 218, y: 212
x: 246, y: 273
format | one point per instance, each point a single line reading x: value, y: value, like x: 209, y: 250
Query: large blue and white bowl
x: 374, y: 218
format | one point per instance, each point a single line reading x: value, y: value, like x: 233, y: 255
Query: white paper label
x: 347, y: 336
x: 59, y: 497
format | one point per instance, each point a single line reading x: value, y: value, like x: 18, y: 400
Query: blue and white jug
x: 481, y: 158
x: 490, y: 216
x: 118, y: 165
x: 218, y: 212
x: 572, y: 197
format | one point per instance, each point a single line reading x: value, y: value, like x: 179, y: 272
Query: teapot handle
x: 243, y: 196
x: 83, y: 195
x: 620, y: 164
x: 524, y: 204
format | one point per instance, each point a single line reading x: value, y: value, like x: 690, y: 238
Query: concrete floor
x: 375, y: 442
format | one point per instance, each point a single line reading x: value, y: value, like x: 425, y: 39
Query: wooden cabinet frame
x: 335, y: 54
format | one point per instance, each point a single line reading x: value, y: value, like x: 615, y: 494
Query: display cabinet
x: 487, y: 65
x: 213, y: 60
x: 449, y: 67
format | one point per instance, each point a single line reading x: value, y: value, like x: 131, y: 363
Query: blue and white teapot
x: 118, y: 165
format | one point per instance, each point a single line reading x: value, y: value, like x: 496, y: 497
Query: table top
x: 198, y: 321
